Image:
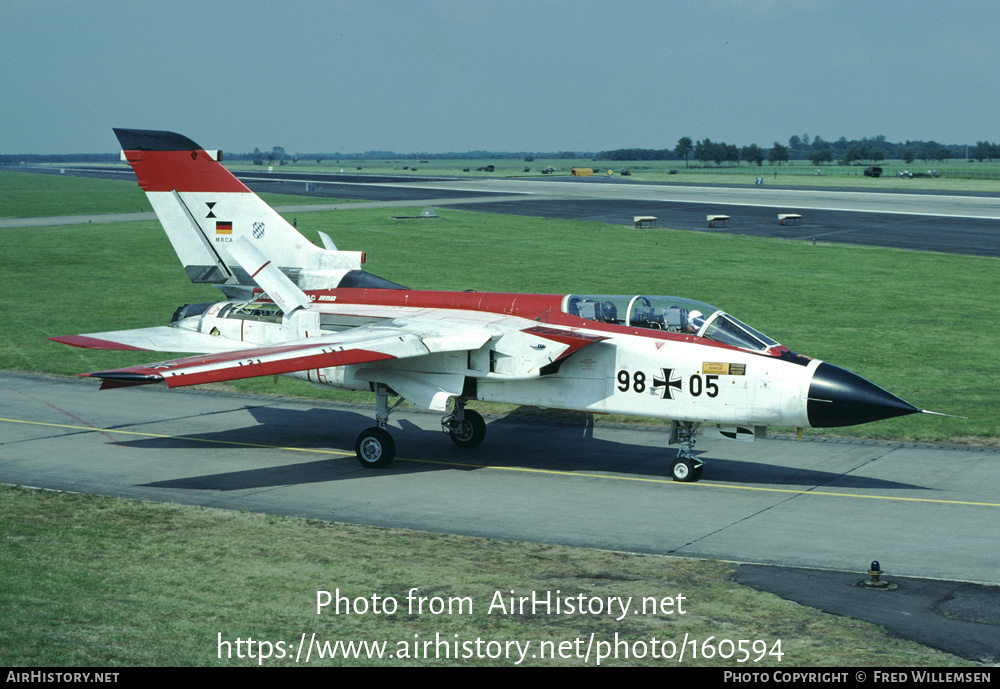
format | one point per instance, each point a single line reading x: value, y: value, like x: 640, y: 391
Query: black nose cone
x: 838, y: 397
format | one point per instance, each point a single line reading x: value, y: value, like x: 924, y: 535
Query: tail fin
x: 204, y: 208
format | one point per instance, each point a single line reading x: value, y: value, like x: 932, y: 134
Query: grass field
x: 32, y: 195
x: 105, y: 582
x: 94, y: 581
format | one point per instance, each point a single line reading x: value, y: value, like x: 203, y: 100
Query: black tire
x: 685, y: 471
x: 375, y: 448
x: 471, y: 431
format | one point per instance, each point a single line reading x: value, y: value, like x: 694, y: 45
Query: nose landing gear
x: 686, y: 467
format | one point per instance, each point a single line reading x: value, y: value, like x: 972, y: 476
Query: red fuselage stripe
x: 542, y: 308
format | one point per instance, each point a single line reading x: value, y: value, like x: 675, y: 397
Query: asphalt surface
x: 804, y: 518
x: 951, y: 223
x: 963, y: 224
x: 973, y: 236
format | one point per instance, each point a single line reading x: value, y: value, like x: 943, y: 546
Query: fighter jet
x: 312, y: 313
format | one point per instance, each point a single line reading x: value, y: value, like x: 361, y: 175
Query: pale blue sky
x: 449, y: 75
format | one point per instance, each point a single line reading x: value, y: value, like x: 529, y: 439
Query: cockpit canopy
x: 672, y: 314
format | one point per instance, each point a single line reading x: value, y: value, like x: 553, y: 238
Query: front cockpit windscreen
x: 672, y: 314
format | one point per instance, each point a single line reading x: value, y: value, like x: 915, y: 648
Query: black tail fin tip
x: 153, y: 140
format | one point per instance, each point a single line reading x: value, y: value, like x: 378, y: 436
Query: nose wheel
x: 687, y: 467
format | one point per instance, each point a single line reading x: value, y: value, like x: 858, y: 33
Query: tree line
x: 864, y: 151
x: 815, y: 149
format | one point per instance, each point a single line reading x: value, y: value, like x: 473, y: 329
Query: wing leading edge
x: 245, y: 363
x: 359, y: 346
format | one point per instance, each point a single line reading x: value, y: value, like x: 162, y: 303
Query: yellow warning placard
x: 715, y: 368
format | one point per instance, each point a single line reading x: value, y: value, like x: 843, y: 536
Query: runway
x: 950, y: 223
x: 946, y: 222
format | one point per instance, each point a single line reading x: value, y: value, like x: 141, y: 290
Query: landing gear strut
x: 465, y: 426
x: 375, y: 447
x: 687, y: 467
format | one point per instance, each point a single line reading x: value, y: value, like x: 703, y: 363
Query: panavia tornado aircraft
x: 312, y: 313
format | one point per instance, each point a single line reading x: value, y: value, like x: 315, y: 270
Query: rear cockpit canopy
x: 671, y: 314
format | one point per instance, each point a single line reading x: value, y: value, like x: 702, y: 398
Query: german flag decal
x: 223, y: 227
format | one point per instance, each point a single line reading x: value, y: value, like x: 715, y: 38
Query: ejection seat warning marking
x: 721, y: 369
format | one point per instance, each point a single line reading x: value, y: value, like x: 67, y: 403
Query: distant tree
x: 683, y: 148
x: 935, y: 151
x: 704, y: 150
x: 907, y: 155
x: 708, y: 151
x: 726, y: 153
x: 277, y: 153
x: 984, y: 150
x: 856, y: 153
x: 820, y: 156
x: 753, y: 154
x: 778, y: 154
x: 794, y: 142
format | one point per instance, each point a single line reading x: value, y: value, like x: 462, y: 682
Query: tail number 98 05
x: 697, y: 384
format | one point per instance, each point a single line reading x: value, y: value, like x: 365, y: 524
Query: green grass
x: 29, y: 195
x: 106, y: 582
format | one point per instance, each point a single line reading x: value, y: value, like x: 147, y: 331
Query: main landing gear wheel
x: 470, y: 431
x: 686, y: 470
x: 375, y: 447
